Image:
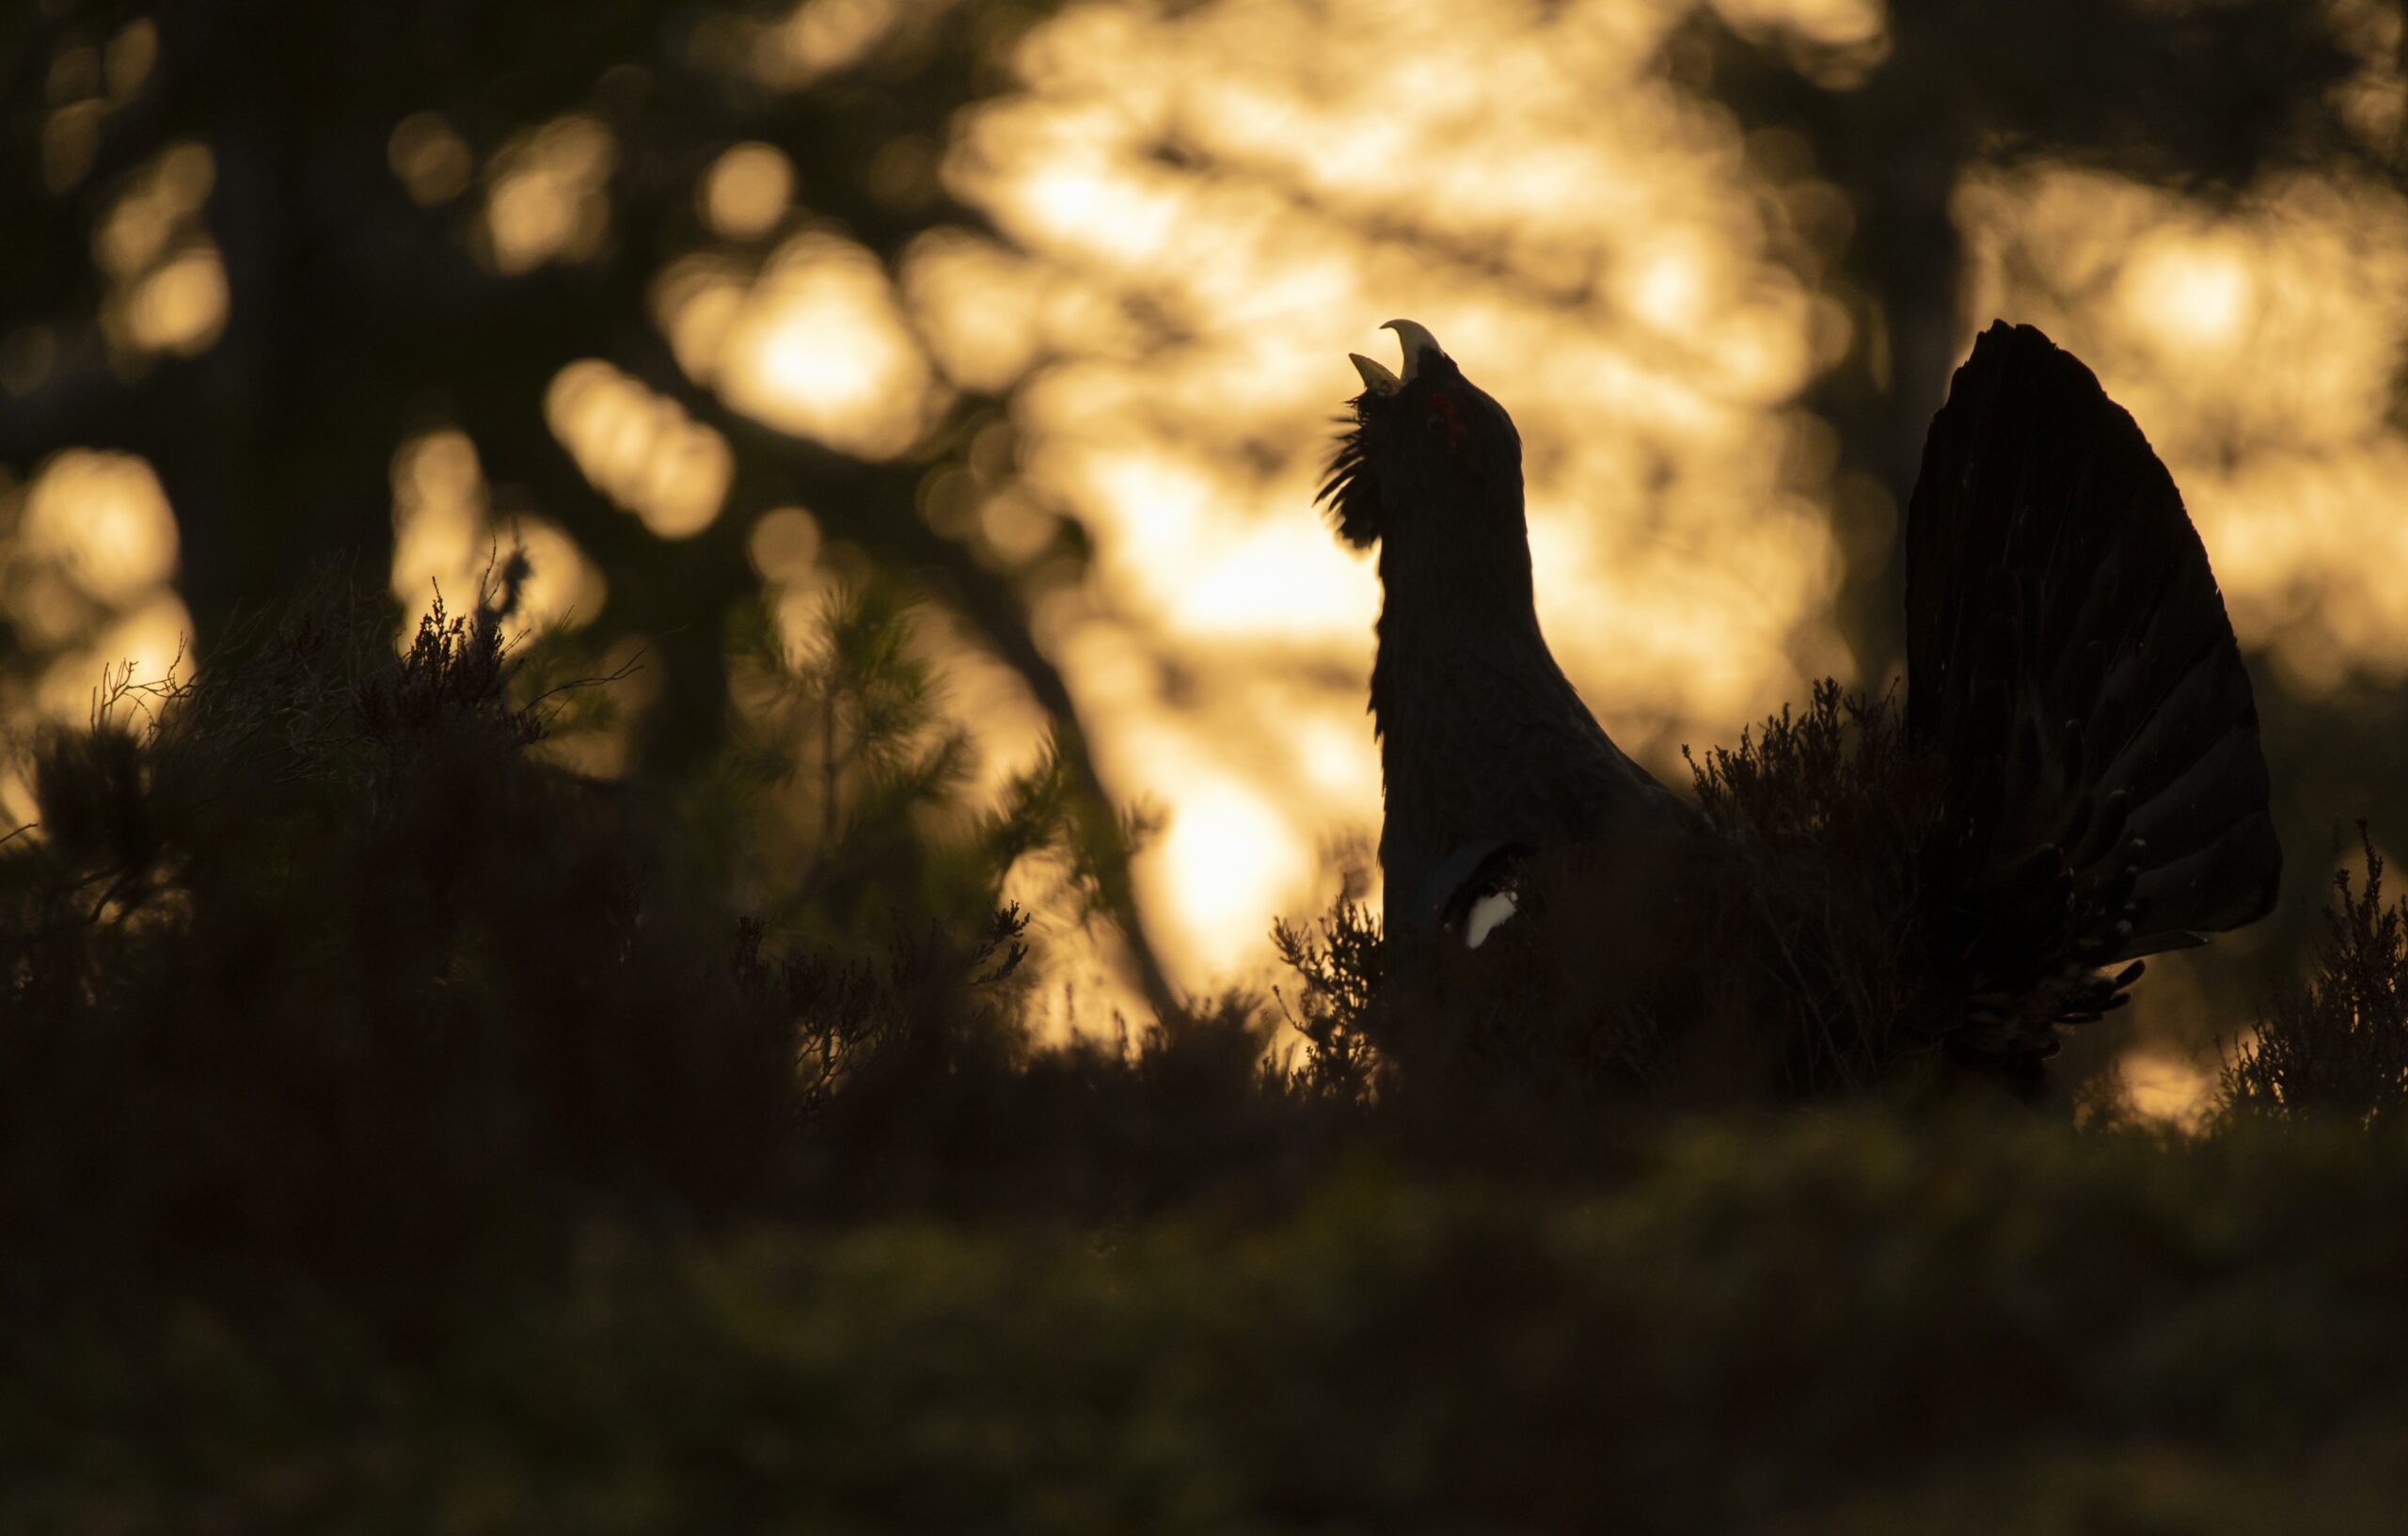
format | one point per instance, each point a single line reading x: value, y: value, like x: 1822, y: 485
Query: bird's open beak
x: 1419, y: 344
x: 1376, y: 377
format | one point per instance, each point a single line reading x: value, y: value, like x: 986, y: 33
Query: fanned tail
x: 2069, y: 661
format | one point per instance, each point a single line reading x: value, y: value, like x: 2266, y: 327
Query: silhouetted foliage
x: 412, y: 1113
x: 1829, y: 811
x: 314, y: 964
x: 2336, y: 1044
x: 1338, y: 965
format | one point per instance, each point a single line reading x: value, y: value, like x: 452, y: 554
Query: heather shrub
x: 400, y: 1129
x: 1788, y: 969
x: 315, y: 965
x: 2336, y: 1044
x: 310, y: 962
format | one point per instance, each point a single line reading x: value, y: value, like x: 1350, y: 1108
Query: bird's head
x: 1426, y: 452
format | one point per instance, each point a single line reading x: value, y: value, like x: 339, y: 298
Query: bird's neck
x: 1483, y: 742
x: 1452, y: 591
x: 1453, y: 608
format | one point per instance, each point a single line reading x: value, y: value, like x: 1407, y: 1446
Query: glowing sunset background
x: 1047, y: 310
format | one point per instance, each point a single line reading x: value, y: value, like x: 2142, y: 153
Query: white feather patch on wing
x: 1486, y: 916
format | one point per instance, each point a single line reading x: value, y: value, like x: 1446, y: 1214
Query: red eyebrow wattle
x: 1447, y: 417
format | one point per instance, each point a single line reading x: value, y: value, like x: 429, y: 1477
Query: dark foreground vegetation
x: 401, y: 1132
x: 1842, y: 1325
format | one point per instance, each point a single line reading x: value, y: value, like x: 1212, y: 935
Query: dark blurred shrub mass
x: 397, y: 1130
x: 314, y: 965
x: 1827, y: 1324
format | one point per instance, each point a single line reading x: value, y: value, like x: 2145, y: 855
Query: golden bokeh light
x: 103, y: 521
x: 695, y: 301
x: 545, y: 199
x: 640, y: 448
x: 986, y: 312
x: 69, y: 141
x: 818, y: 348
x: 818, y: 36
x: 784, y: 546
x: 143, y: 220
x: 146, y: 644
x: 747, y: 191
x: 2256, y: 345
x: 167, y: 290
x: 131, y: 54
x: 1007, y: 726
x: 2196, y: 295
x: 180, y: 306
x: 89, y: 570
x: 1858, y: 29
x: 434, y: 162
x: 1227, y: 848
x: 2167, y: 1089
x: 447, y: 541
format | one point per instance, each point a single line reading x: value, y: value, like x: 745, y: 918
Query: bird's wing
x: 2070, y: 659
